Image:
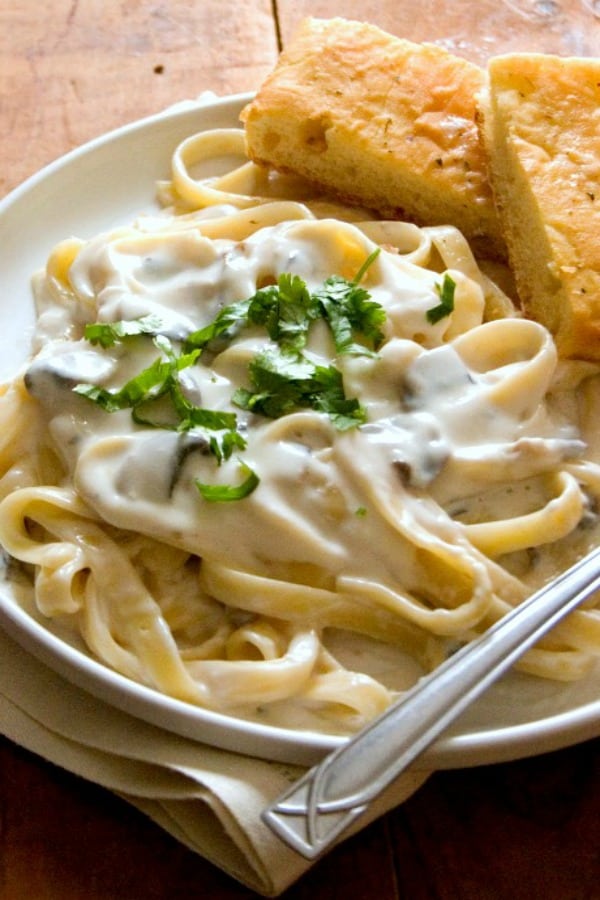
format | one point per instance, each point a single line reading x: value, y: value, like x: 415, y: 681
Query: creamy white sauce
x: 428, y: 408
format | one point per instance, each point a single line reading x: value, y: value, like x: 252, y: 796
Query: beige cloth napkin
x: 209, y: 799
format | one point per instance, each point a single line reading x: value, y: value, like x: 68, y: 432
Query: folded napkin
x: 209, y: 799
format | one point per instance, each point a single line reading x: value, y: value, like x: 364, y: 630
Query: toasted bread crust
x: 378, y: 121
x: 541, y: 129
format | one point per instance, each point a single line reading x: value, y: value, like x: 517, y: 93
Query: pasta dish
x: 277, y: 458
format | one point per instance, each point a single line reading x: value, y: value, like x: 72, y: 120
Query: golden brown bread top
x: 379, y: 121
x: 392, y: 125
x: 542, y: 133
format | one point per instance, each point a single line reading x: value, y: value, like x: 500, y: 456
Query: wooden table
x: 70, y: 70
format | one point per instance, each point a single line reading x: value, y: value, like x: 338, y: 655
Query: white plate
x: 106, y: 183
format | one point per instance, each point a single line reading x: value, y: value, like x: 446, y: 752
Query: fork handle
x: 321, y: 805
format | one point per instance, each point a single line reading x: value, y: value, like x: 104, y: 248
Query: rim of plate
x: 454, y: 749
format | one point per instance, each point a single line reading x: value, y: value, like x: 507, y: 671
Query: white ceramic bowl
x: 109, y: 182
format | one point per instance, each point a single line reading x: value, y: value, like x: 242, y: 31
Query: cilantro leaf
x: 226, y: 439
x: 366, y: 265
x: 156, y: 399
x: 279, y: 380
x: 284, y: 381
x: 223, y: 446
x: 109, y: 333
x: 226, y: 323
x: 218, y: 493
x: 350, y: 311
x: 445, y: 291
x: 344, y: 412
x: 286, y: 310
x: 150, y: 384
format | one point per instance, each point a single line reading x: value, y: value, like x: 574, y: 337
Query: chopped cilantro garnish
x: 282, y: 378
x: 445, y: 291
x: 287, y: 309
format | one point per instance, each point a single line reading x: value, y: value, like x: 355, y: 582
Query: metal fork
x: 320, y: 806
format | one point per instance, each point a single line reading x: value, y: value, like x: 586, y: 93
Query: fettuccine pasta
x: 276, y: 458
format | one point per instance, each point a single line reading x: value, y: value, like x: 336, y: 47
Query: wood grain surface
x: 527, y: 829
